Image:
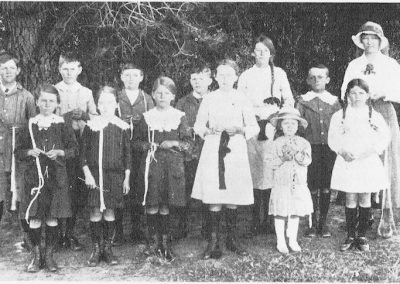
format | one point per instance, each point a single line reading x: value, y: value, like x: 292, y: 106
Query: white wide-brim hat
x: 370, y: 28
x: 289, y: 113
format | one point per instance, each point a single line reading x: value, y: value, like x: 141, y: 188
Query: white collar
x: 99, y: 122
x: 325, y: 97
x: 46, y: 121
x: 163, y: 120
x: 197, y: 95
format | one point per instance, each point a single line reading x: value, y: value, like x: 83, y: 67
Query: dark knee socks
x: 351, y: 221
x: 324, y: 202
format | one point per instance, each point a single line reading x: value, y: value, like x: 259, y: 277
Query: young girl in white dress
x: 358, y: 134
x: 225, y: 120
x: 289, y: 157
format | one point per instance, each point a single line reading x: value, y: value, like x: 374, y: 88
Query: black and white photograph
x: 199, y: 141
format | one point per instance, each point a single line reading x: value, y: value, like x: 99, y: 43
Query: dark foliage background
x: 168, y: 38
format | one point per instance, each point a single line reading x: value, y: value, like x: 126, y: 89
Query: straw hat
x: 289, y: 113
x: 370, y: 28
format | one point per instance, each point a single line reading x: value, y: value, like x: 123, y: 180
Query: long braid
x: 345, y: 104
x: 271, y: 65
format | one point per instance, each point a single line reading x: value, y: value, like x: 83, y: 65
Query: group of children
x: 227, y: 148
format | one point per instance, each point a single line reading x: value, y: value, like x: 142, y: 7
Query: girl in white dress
x: 289, y: 157
x: 358, y: 134
x: 268, y: 88
x: 225, y: 120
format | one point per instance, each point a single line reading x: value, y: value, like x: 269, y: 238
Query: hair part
x: 363, y: 85
x: 165, y: 82
x: 48, y: 88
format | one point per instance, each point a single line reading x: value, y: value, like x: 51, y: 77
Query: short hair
x: 166, y: 82
x: 230, y: 63
x: 201, y: 68
x: 108, y: 89
x: 48, y: 88
x: 319, y: 66
x: 130, y: 65
x: 7, y: 56
x: 68, y: 57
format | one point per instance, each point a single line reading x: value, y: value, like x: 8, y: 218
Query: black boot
x: 26, y: 242
x: 206, y: 223
x: 95, y: 233
x: 137, y: 235
x: 153, y: 241
x: 268, y: 225
x: 351, y: 224
x: 256, y: 208
x: 108, y: 231
x: 324, y: 202
x: 213, y: 250
x: 169, y: 255
x: 311, y: 231
x: 182, y: 228
x: 118, y: 238
x: 231, y: 238
x: 35, y: 236
x: 363, y: 218
x: 72, y: 241
x: 51, y: 240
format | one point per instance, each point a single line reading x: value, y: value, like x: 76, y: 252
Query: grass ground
x: 320, y: 260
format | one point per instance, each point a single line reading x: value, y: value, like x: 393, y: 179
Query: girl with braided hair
x: 268, y: 89
x: 358, y: 134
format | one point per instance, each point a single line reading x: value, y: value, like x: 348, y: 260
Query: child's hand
x: 34, y: 152
x: 53, y: 154
x: 168, y: 144
x: 287, y: 156
x: 125, y: 186
x: 90, y: 181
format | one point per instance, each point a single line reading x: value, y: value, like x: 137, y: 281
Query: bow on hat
x: 370, y: 28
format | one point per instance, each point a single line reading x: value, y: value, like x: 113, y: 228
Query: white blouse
x: 255, y: 83
x: 220, y: 110
x: 386, y: 78
x: 355, y: 134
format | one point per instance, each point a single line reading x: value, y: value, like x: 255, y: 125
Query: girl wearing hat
x: 358, y: 134
x: 289, y: 157
x: 225, y: 120
x: 382, y: 74
x: 267, y: 87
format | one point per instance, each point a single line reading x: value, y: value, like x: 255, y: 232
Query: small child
x: 17, y: 105
x: 226, y: 121
x: 77, y: 105
x: 200, y: 80
x: 317, y: 107
x: 106, y: 163
x: 289, y: 158
x: 358, y: 134
x: 133, y: 102
x: 46, y: 144
x: 166, y: 137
